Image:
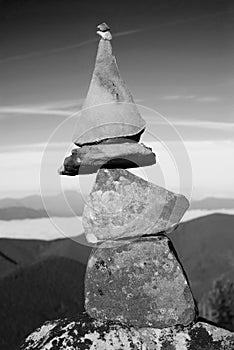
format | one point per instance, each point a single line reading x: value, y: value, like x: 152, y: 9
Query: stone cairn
x: 137, y: 295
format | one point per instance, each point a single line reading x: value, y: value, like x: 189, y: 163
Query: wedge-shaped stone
x: 109, y: 110
x: 83, y: 334
x: 122, y: 204
x: 89, y: 159
x: 138, y: 282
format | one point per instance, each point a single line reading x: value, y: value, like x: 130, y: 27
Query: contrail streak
x: 127, y: 32
x: 47, y: 52
x: 64, y: 48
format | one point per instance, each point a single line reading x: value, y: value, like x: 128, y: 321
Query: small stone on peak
x: 103, y: 27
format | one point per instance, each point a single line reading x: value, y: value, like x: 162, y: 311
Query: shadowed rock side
x: 138, y: 282
x: 89, y: 159
x: 84, y: 333
x: 109, y: 110
x: 122, y: 204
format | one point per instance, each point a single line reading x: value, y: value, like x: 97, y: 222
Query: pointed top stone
x: 103, y: 27
x: 104, y: 31
x: 109, y: 110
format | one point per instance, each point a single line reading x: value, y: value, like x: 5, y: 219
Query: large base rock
x: 122, y: 204
x: 89, y: 159
x: 81, y: 334
x: 84, y: 334
x: 138, y: 282
x: 199, y: 336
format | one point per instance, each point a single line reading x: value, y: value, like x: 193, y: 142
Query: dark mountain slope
x: 48, y: 289
x: 206, y: 248
x: 25, y: 251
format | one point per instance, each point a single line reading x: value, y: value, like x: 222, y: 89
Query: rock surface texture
x: 138, y: 282
x: 88, y: 334
x: 89, y: 159
x: 109, y: 109
x: 122, y: 204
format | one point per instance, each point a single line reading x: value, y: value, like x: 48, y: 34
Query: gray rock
x: 138, y: 282
x: 87, y: 334
x: 89, y: 159
x: 103, y: 27
x: 109, y: 110
x: 81, y: 334
x: 122, y: 204
x: 199, y: 336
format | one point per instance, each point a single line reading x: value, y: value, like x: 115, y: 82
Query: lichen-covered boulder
x: 122, y: 204
x: 83, y: 333
x: 89, y: 159
x: 138, y: 282
x: 199, y: 336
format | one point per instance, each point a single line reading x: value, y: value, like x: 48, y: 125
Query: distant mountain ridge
x: 21, y: 213
x: 210, y: 203
x: 71, y: 203
x: 67, y: 204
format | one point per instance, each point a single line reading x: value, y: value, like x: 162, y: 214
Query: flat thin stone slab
x: 138, y: 282
x: 82, y: 333
x: 89, y: 159
x: 122, y: 204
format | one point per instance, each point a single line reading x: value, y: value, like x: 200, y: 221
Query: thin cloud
x: 30, y: 110
x: 204, y: 124
x: 194, y: 98
x: 37, y: 147
x: 178, y: 97
x: 64, y: 108
x: 208, y: 99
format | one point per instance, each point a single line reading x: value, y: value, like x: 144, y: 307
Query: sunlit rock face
x: 109, y: 110
x: 122, y: 204
x: 83, y: 333
x: 89, y: 159
x: 199, y: 336
x: 138, y: 282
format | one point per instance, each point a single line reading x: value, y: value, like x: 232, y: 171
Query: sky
x: 176, y: 57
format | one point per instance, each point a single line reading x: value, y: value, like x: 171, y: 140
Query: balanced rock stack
x: 137, y: 295
x: 109, y: 126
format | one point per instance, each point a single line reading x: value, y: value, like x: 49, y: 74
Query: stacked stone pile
x: 110, y: 125
x: 137, y: 295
